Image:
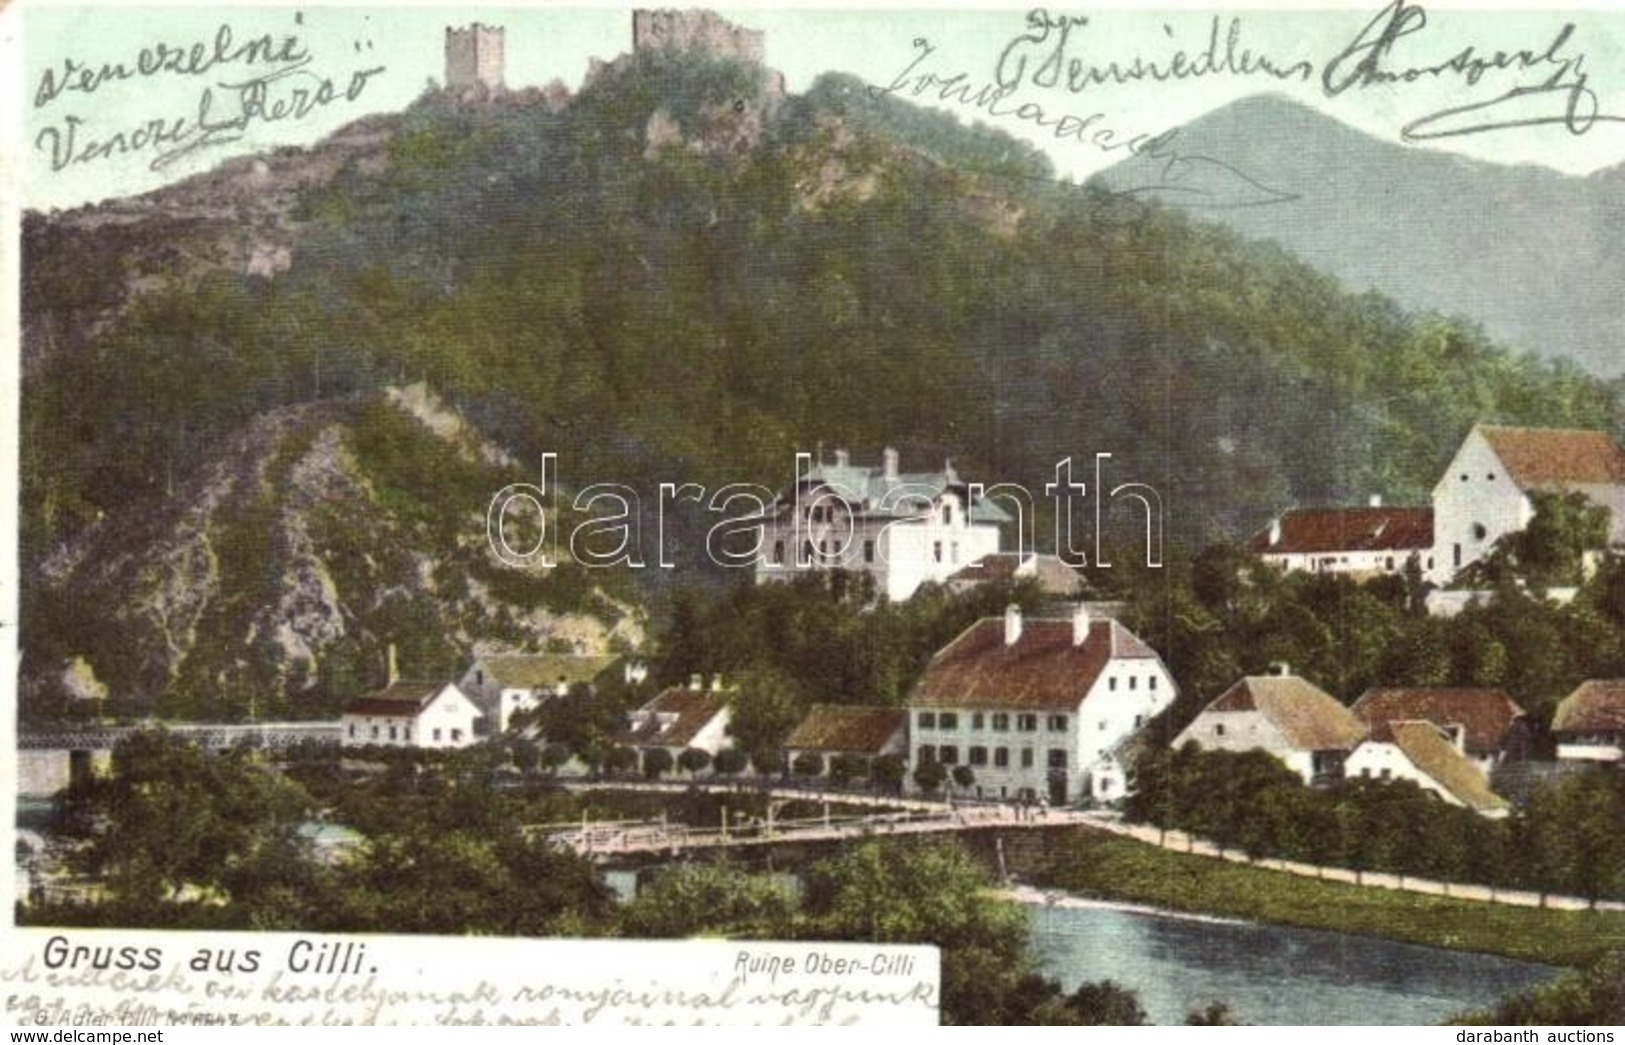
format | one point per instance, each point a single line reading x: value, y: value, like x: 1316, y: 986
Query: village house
x: 1486, y: 491
x: 1053, y: 577
x: 1036, y: 708
x: 1485, y: 726
x: 1590, y: 722
x: 1363, y: 542
x: 1424, y: 754
x: 410, y: 714
x: 504, y: 684
x: 831, y: 731
x: 903, y: 529
x: 680, y: 717
x: 1287, y: 716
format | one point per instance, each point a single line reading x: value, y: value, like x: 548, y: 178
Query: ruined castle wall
x: 696, y: 31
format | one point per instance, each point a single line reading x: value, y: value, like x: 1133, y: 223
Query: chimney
x: 1376, y: 500
x: 1275, y: 531
x: 890, y: 459
x: 1012, y: 624
x: 696, y: 681
x: 842, y: 459
x: 1280, y: 669
x: 394, y: 670
x: 1080, y: 624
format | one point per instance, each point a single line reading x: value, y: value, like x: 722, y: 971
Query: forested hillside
x: 680, y: 276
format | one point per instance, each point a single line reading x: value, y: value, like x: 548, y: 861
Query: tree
x: 177, y: 816
x: 1105, y: 1004
x: 845, y: 768
x: 930, y: 775
x: 964, y: 777
x: 555, y: 757
x: 620, y: 759
x: 808, y: 764
x: 712, y: 898
x: 657, y: 762
x: 693, y: 760
x: 526, y: 756
x: 887, y: 771
x: 766, y: 707
x: 767, y: 761
x: 1217, y: 1014
x: 730, y: 761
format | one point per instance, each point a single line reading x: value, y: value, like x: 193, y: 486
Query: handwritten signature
x: 1194, y: 179
x: 1363, y: 63
x: 287, y: 90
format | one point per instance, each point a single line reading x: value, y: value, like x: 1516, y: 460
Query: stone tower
x: 474, y: 58
x: 695, y: 31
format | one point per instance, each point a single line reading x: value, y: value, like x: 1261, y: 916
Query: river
x: 1266, y: 974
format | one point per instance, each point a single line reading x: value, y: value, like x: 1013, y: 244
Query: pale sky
x: 545, y: 42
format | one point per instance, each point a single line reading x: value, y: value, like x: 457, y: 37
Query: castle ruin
x: 474, y: 58
x: 692, y: 31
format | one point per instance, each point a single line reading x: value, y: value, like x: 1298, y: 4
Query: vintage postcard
x: 1089, y: 515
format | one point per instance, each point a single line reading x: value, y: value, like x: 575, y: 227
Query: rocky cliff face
x: 274, y: 579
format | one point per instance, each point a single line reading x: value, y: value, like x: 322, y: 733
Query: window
x: 868, y: 551
x: 947, y: 513
x: 948, y: 720
x: 1153, y: 684
x: 1111, y: 683
x: 823, y: 548
x: 1386, y: 773
x: 1480, y: 531
x: 948, y: 755
x: 1001, y: 722
x: 406, y: 734
x: 1463, y: 476
x: 437, y: 735
x: 1430, y: 562
x: 1103, y: 725
x: 1057, y: 723
x: 1139, y: 720
x: 456, y: 736
x: 936, y: 551
x: 928, y: 720
x: 1388, y: 564
x: 1001, y: 758
x: 807, y: 554
x: 1365, y: 771
x: 1133, y: 681
x: 927, y: 753
x: 1218, y: 730
x: 1057, y: 758
x: 375, y: 732
x: 1027, y: 723
x: 778, y: 553
x: 1026, y: 758
x: 479, y: 676
x: 978, y: 756
x: 978, y: 721
x: 954, y: 552
x: 1458, y: 556
x: 1490, y: 477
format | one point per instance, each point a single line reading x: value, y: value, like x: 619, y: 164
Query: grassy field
x: 1092, y: 863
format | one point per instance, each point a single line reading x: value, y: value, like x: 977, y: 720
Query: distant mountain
x: 1533, y: 254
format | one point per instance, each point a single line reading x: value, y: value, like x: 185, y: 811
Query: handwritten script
x: 243, y: 83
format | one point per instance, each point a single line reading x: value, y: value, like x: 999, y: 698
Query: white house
x: 503, y: 684
x: 680, y: 717
x: 1287, y: 716
x: 1424, y: 754
x: 410, y: 714
x: 1590, y: 722
x: 1037, y: 708
x: 1484, y: 725
x: 1485, y: 492
x: 1365, y: 542
x: 902, y: 529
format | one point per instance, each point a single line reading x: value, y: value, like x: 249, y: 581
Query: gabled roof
x: 396, y: 700
x: 1545, y: 458
x: 1043, y: 670
x: 672, y: 719
x: 1485, y: 715
x: 1306, y: 716
x: 1433, y: 754
x: 1596, y: 706
x: 870, y: 493
x: 542, y: 670
x: 1054, y: 576
x: 1313, y: 531
x: 859, y: 730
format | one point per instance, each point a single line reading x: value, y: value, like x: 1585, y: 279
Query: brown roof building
x: 1365, y: 541
x: 1036, y: 708
x: 1287, y: 716
x: 1590, y: 722
x: 1424, y: 754
x: 680, y: 717
x: 411, y: 714
x: 833, y: 729
x: 1483, y: 724
x: 1053, y: 576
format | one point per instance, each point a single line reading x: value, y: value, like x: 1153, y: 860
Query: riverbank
x: 1092, y: 863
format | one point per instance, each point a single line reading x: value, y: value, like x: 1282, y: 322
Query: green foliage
x: 930, y: 775
x: 1592, y: 998
x: 693, y: 760
x: 808, y: 764
x: 709, y: 898
x: 730, y: 761
x: 1105, y: 1004
x: 657, y: 762
x: 1551, y: 550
